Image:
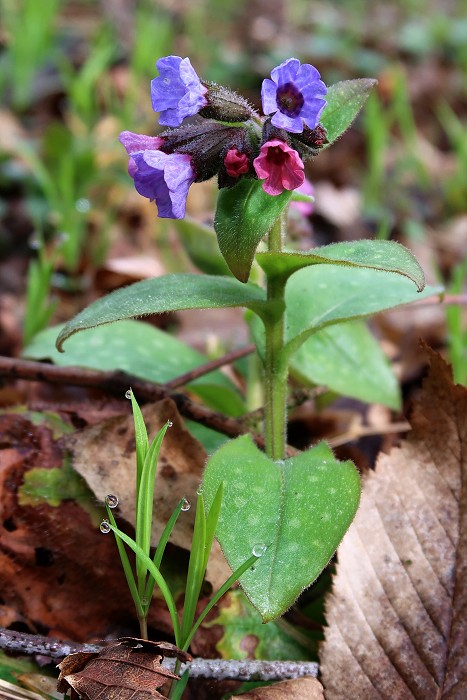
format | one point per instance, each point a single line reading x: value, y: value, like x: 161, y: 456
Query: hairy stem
x: 275, y: 370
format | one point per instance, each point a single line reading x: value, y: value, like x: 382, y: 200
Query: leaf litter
x: 397, y: 623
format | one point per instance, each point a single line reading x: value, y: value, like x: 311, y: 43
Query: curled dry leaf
x: 295, y: 689
x: 129, y: 669
x: 181, y: 462
x: 397, y: 615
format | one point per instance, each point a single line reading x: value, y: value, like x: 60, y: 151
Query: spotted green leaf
x: 299, y: 509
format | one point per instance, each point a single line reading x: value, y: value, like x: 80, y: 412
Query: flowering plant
x: 296, y: 508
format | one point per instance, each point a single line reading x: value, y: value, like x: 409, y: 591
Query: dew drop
x: 186, y: 504
x: 82, y: 205
x: 35, y: 241
x: 258, y: 550
x: 144, y: 600
x: 104, y: 527
x: 128, y: 394
x: 199, y: 491
x: 111, y: 500
x: 169, y: 423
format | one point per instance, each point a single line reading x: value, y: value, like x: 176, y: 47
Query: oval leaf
x: 322, y: 295
x: 167, y: 293
x: 344, y: 101
x: 386, y: 256
x: 347, y: 359
x: 201, y: 246
x: 245, y: 214
x: 141, y: 350
x: 299, y: 508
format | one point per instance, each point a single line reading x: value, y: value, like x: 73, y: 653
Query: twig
x: 210, y: 366
x: 220, y: 669
x: 366, y: 431
x: 117, y: 383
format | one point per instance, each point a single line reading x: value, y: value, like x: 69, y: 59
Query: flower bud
x: 225, y: 105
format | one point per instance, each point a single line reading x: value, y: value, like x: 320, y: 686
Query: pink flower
x: 279, y: 166
x: 236, y: 163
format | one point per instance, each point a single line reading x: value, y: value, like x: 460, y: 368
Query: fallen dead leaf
x: 397, y: 613
x: 295, y: 689
x: 181, y: 463
x: 128, y: 670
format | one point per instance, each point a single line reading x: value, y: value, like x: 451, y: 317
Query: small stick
x: 117, y: 383
x: 210, y: 366
x: 219, y: 669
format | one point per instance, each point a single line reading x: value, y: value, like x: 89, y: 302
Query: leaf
x: 161, y: 294
x: 397, y: 614
x: 347, y: 359
x: 378, y: 255
x: 299, y: 509
x: 344, y: 101
x: 321, y: 295
x: 246, y: 636
x: 142, y: 350
x: 201, y: 246
x: 295, y: 689
x: 118, y: 671
x: 245, y: 214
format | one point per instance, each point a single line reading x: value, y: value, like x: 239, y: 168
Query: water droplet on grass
x: 128, y: 394
x: 104, y: 527
x: 258, y: 550
x: 111, y: 500
x: 186, y: 504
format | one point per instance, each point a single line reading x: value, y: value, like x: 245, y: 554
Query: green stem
x: 275, y: 369
x: 143, y: 627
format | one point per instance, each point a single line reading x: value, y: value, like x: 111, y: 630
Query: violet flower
x: 177, y: 92
x: 295, y: 94
x: 279, y: 166
x: 161, y: 177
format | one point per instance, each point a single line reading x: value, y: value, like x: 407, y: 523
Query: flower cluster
x: 227, y: 137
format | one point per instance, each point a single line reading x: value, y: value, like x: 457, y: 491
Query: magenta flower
x: 279, y: 166
x: 177, y: 92
x: 295, y: 94
x: 236, y: 163
x: 161, y: 177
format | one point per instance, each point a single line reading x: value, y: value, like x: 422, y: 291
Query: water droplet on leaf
x: 186, y: 504
x: 111, y: 500
x: 128, y: 394
x: 258, y: 550
x: 104, y: 527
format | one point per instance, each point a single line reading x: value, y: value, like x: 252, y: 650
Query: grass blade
x: 211, y: 522
x: 142, y: 441
x: 130, y: 579
x: 159, y: 553
x: 195, y: 568
x: 217, y: 596
x: 156, y: 574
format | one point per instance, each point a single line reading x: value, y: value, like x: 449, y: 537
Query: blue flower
x: 177, y: 92
x: 161, y: 177
x: 296, y: 95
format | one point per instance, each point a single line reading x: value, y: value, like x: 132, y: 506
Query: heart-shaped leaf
x: 167, y: 293
x: 245, y: 214
x: 344, y: 100
x: 298, y: 509
x: 387, y: 256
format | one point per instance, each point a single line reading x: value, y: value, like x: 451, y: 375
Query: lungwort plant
x: 295, y: 508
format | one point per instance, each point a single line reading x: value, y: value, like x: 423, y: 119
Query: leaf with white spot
x: 397, y: 614
x: 298, y: 509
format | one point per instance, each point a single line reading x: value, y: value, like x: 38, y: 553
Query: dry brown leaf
x: 397, y: 614
x: 111, y: 469
x: 128, y: 670
x: 295, y: 689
